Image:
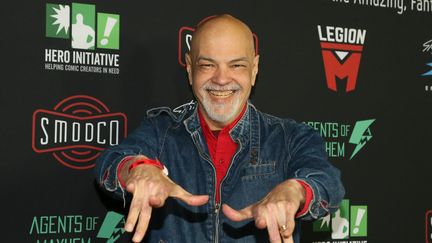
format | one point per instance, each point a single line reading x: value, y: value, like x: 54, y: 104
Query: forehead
x: 224, y: 39
x: 223, y: 46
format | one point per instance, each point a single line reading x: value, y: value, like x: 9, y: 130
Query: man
x: 220, y: 152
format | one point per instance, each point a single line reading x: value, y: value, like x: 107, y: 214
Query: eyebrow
x: 240, y: 59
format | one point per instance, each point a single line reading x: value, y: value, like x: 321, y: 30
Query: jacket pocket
x: 261, y: 170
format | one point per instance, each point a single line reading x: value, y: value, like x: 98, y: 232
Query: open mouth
x: 221, y: 93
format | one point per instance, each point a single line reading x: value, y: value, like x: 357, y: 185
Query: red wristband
x: 308, y: 199
x: 120, y: 167
x: 135, y: 164
x: 156, y: 163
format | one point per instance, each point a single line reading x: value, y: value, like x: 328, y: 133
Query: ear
x: 189, y: 67
x: 255, y: 69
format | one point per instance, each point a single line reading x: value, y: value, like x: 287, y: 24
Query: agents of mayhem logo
x: 349, y: 222
x: 78, y: 24
x: 112, y: 227
x: 334, y: 134
x: 341, y: 50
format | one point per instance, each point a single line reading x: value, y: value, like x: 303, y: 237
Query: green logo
x: 348, y: 221
x: 112, y: 227
x: 83, y: 32
x: 361, y: 135
x: 57, y: 21
x: 336, y: 135
x: 83, y: 26
x: 108, y: 31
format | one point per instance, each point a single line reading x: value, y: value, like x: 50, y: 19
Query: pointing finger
x: 272, y: 224
x: 192, y: 200
x: 134, y: 212
x: 237, y: 215
x: 143, y: 223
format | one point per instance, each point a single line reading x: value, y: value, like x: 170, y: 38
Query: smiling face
x: 222, y: 68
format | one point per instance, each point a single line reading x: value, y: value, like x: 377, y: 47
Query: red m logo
x: 342, y: 61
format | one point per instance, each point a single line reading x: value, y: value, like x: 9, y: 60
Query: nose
x: 222, y: 76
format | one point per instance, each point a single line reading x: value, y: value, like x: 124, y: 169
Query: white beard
x: 230, y: 108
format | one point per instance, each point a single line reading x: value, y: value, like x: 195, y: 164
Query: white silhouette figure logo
x: 81, y: 34
x: 340, y: 227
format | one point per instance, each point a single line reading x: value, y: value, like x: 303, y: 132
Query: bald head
x: 222, y: 68
x: 223, y: 28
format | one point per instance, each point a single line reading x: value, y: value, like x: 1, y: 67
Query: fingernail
x: 129, y: 227
x: 137, y: 237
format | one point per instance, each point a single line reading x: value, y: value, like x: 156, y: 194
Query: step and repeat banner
x: 77, y: 77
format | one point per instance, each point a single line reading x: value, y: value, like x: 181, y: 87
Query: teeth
x: 221, y: 93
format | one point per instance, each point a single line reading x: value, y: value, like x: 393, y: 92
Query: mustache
x: 227, y: 87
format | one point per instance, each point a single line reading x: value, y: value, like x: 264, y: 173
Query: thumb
x: 192, y: 200
x: 237, y: 215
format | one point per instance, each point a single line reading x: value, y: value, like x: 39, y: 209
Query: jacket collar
x: 245, y: 132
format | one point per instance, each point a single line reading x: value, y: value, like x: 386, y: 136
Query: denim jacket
x: 271, y: 150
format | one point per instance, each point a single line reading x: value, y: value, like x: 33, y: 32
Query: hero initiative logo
x: 350, y: 221
x: 185, y: 38
x: 84, y: 34
x: 77, y: 130
x: 341, y: 50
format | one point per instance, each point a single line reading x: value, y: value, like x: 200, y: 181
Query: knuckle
x: 137, y: 204
x: 274, y: 238
x: 286, y: 234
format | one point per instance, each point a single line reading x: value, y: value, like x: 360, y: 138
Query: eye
x: 237, y: 66
x: 206, y: 65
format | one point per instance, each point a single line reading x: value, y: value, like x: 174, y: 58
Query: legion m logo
x: 79, y: 24
x: 341, y: 50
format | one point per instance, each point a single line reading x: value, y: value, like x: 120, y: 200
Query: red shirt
x: 222, y: 149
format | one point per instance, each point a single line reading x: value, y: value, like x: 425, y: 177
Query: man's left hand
x: 276, y: 211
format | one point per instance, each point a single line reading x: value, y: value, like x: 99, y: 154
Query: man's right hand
x: 150, y: 188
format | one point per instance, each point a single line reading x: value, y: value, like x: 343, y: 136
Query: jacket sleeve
x: 308, y: 162
x: 144, y: 140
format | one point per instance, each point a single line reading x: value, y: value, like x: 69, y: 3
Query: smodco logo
x: 76, y: 130
x: 184, y: 43
x: 341, y: 50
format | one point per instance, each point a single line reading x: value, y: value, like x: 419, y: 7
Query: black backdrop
x: 49, y: 193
